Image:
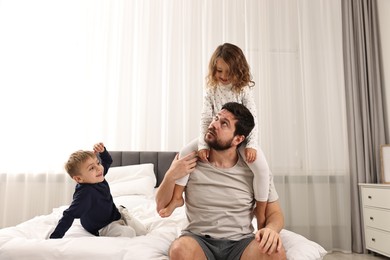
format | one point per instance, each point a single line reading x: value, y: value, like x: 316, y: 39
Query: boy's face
x: 91, y: 172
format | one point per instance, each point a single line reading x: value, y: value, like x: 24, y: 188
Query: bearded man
x: 219, y: 198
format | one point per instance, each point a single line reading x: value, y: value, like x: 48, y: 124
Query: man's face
x: 220, y: 133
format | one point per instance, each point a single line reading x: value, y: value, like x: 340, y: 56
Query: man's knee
x: 185, y: 248
x: 178, y: 249
x: 281, y: 255
x: 174, y: 250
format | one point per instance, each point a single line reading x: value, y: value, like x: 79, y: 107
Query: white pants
x: 126, y: 226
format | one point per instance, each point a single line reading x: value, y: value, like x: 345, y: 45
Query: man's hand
x: 269, y: 241
x: 183, y: 166
x: 178, y: 169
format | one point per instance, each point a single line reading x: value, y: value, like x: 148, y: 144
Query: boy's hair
x: 238, y: 66
x: 245, y: 121
x: 72, y: 166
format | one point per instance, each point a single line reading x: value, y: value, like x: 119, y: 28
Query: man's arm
x: 178, y: 169
x: 268, y: 237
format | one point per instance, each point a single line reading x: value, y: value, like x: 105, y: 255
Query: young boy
x: 92, y: 201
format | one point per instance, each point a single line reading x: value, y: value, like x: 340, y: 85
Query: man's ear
x: 238, y: 139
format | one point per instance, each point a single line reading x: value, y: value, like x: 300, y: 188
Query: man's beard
x: 216, y: 144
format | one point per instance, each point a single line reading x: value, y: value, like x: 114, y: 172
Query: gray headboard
x: 161, y: 160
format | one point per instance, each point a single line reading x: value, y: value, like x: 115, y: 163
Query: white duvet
x: 29, y: 239
x: 132, y: 187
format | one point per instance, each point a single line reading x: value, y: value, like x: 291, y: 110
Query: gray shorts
x: 221, y: 249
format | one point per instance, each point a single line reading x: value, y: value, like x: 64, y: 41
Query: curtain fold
x: 132, y: 74
x: 365, y: 102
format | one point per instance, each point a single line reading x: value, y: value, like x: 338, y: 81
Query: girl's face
x: 91, y: 171
x: 222, y: 72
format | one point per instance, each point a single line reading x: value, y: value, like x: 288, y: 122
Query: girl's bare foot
x: 175, y: 203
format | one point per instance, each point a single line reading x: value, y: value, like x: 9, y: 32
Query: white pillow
x: 136, y: 179
x: 300, y: 248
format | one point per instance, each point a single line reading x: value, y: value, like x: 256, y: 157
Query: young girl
x: 228, y: 80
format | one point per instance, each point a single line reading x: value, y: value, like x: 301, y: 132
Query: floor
x: 341, y: 256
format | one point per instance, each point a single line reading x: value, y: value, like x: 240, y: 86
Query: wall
x: 384, y: 21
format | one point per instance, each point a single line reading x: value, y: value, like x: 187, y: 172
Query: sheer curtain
x: 302, y: 116
x: 131, y: 74
x: 366, y: 110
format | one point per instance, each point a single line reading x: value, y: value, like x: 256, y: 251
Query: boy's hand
x: 98, y: 148
x: 250, y: 154
x: 204, y: 155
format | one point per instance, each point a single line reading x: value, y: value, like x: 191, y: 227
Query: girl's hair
x: 239, y: 68
x: 72, y: 166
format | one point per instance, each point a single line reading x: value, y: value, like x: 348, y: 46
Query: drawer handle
x: 373, y: 239
x: 372, y: 218
x: 369, y: 196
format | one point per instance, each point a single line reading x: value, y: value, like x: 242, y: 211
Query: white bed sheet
x: 28, y: 240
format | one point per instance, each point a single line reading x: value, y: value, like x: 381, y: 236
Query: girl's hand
x: 98, y: 148
x: 204, y: 155
x: 250, y: 154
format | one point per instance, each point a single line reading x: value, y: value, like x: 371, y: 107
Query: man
x: 219, y: 198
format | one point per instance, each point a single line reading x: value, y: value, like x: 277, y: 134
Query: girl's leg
x: 261, y: 174
x: 176, y: 202
x: 261, y: 182
x: 189, y: 148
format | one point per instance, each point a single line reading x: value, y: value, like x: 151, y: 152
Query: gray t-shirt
x: 220, y: 202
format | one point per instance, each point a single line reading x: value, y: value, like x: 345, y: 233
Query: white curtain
x: 131, y: 74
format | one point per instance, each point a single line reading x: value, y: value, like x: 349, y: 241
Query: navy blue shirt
x: 92, y: 204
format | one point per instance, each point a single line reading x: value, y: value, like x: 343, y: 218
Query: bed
x: 133, y: 177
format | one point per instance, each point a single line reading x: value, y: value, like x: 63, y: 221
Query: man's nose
x: 213, y: 124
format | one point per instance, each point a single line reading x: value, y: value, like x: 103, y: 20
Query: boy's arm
x: 104, y: 157
x: 63, y: 225
x: 106, y: 160
x: 80, y: 204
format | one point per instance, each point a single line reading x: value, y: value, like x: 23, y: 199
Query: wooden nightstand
x: 375, y: 199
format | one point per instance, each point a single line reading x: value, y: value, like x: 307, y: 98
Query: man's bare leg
x: 252, y: 252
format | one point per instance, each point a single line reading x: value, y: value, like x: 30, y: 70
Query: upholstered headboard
x: 161, y: 160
